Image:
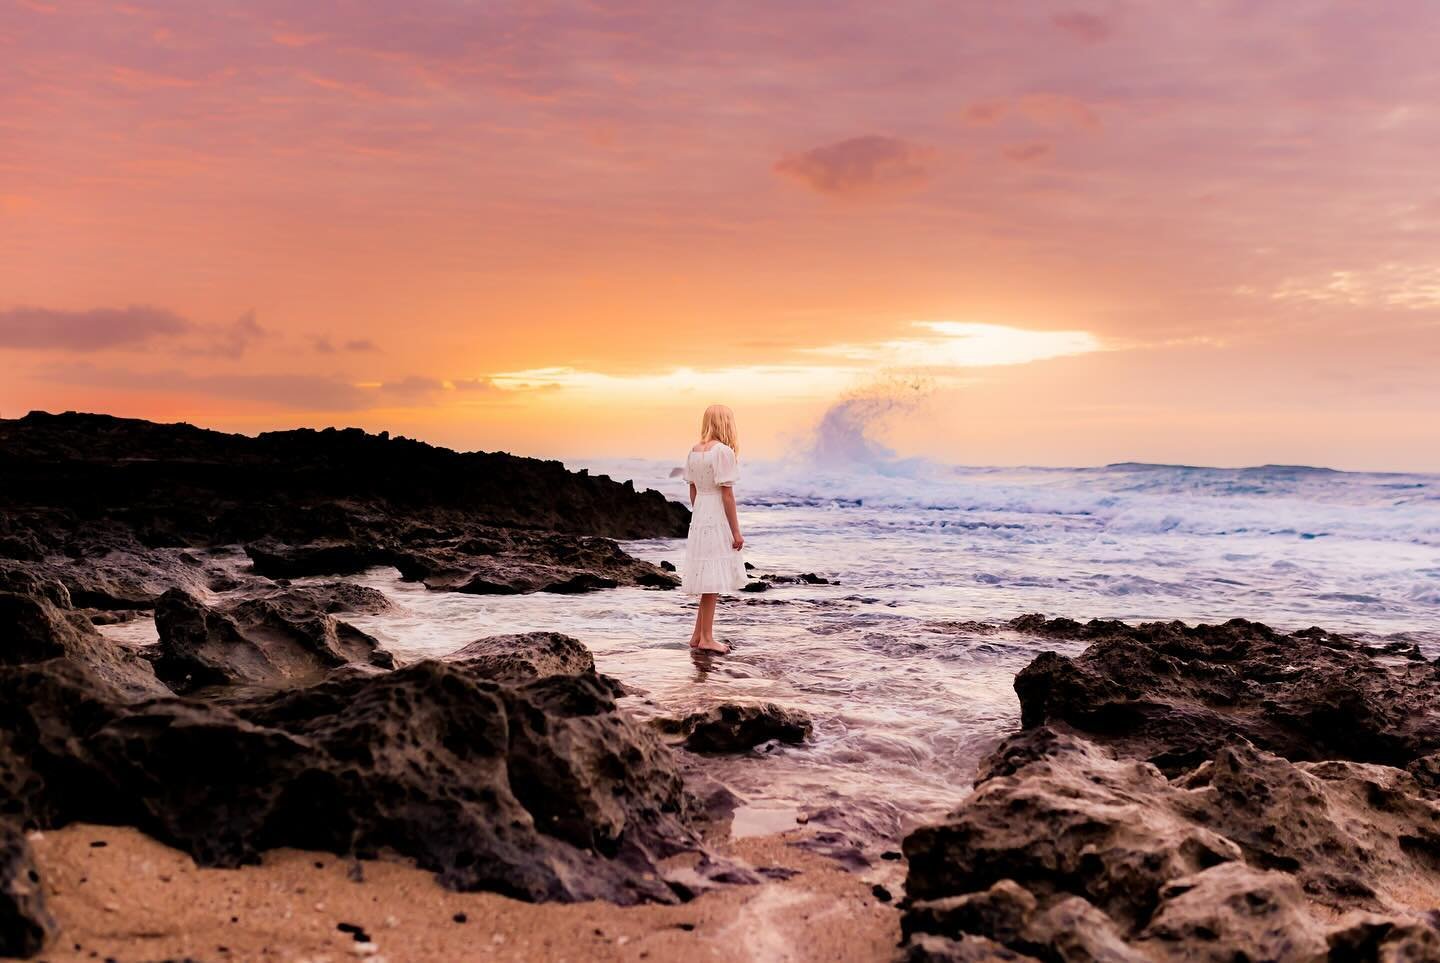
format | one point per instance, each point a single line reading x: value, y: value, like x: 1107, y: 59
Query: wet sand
x: 133, y: 899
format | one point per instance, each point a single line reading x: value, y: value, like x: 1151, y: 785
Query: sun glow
x: 961, y: 344
x: 943, y: 353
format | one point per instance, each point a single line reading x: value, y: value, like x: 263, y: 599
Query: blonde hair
x: 718, y: 424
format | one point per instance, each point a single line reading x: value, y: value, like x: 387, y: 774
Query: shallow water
x: 905, y: 695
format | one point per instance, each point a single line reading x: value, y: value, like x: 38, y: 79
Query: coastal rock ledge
x: 509, y: 768
x: 540, y: 790
x: 1194, y: 793
x: 120, y: 510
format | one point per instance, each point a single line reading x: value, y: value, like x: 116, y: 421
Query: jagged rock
x: 1174, y: 694
x: 541, y: 791
x: 924, y: 948
x: 517, y: 562
x: 737, y: 727
x: 22, y: 582
x: 281, y: 640
x: 804, y: 578
x: 35, y: 629
x: 25, y: 923
x: 1234, y: 912
x: 1426, y: 770
x: 518, y: 658
x: 1064, y: 851
x: 110, y: 571
x: 1076, y: 821
x: 657, y: 579
x: 667, y: 566
x: 335, y: 598
x: 1004, y: 911
x: 1387, y: 940
x: 1074, y: 929
x: 1353, y: 834
x: 24, y: 547
x: 275, y: 560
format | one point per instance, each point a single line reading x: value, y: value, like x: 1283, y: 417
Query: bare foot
x: 694, y: 641
x: 710, y: 645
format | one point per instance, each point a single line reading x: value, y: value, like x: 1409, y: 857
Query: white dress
x: 711, y: 562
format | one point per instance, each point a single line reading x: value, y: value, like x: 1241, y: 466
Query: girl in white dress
x: 712, y: 552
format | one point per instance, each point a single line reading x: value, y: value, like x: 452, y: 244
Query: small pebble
x: 112, y: 907
x: 460, y: 917
x: 98, y: 843
x: 364, y: 949
x: 881, y: 893
x: 354, y: 930
x: 892, y: 855
x: 392, y: 922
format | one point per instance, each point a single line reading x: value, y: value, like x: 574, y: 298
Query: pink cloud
x: 1028, y: 152
x: 1083, y: 26
x: 92, y: 330
x: 858, y: 166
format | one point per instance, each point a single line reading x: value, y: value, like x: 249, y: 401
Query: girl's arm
x: 692, y: 494
x: 727, y: 495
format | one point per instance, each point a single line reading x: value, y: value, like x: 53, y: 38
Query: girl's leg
x: 698, y: 635
x: 706, y: 620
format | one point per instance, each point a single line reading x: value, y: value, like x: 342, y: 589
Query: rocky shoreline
x: 1196, y: 793
x: 266, y: 720
x: 1200, y: 793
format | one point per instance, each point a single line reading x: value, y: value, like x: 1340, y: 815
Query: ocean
x: 904, y: 662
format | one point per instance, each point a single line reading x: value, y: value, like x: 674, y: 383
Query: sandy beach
x: 119, y: 895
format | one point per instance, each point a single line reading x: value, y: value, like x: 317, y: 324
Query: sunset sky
x: 1203, y: 232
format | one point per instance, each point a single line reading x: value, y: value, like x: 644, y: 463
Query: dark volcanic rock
x: 181, y: 485
x: 25, y: 924
x: 515, y: 562
x: 120, y: 574
x: 1064, y: 851
x: 112, y: 504
x: 542, y: 790
x: 276, y: 560
x: 924, y: 948
x: 336, y: 598
x: 804, y: 578
x: 1174, y: 694
x: 737, y: 727
x: 519, y: 658
x: 285, y: 639
x: 34, y: 628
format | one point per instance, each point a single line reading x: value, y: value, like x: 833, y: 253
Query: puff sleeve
x: 727, y: 466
